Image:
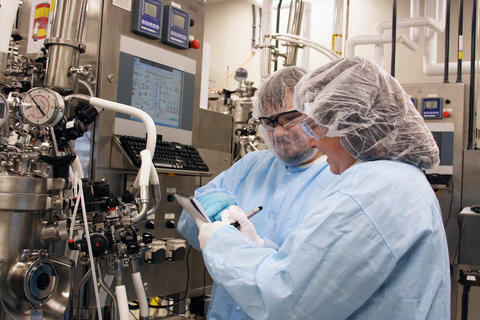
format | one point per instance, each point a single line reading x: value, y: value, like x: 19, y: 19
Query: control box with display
x: 432, y: 108
x: 147, y: 18
x: 175, y: 27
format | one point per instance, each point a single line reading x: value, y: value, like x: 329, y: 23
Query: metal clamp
x: 62, y: 42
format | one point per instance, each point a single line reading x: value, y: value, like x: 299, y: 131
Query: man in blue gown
x: 373, y: 245
x: 284, y: 180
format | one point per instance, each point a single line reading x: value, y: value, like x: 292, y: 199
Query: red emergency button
x: 195, y: 44
x: 446, y: 114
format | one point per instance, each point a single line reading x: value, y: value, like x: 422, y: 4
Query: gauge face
x: 241, y: 74
x: 42, y: 107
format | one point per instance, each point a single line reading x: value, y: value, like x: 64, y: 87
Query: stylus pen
x: 249, y: 215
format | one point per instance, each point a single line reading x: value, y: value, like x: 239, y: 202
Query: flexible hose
x: 141, y: 295
x: 157, y: 196
x: 74, y: 215
x: 153, y: 178
x: 142, y: 115
x: 121, y: 294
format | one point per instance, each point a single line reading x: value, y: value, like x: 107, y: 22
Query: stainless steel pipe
x: 294, y: 27
x: 65, y: 44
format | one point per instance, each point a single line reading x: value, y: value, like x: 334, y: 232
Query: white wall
x: 228, y: 30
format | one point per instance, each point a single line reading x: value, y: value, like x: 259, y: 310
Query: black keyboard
x: 439, y: 179
x: 169, y: 155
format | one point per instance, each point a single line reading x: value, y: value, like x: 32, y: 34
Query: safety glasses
x: 285, y: 120
x: 312, y: 130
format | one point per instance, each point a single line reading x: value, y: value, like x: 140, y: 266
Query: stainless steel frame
x: 110, y: 163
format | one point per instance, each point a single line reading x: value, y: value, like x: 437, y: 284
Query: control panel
x: 147, y: 18
x: 442, y: 106
x: 176, y: 23
x: 432, y: 108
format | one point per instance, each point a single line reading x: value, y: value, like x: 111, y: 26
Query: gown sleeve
x: 327, y: 268
x: 224, y: 182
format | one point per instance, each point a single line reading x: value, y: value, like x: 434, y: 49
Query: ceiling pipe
x: 265, y: 30
x: 415, y: 13
x: 380, y: 40
x: 306, y: 33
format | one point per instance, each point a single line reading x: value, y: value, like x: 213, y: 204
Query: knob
x: 170, y: 198
x: 446, y: 114
x: 150, y: 225
x: 158, y: 256
x: 71, y: 244
x: 170, y: 224
x: 99, y: 244
x: 147, y: 237
x: 179, y: 254
x: 133, y: 248
x: 112, y: 202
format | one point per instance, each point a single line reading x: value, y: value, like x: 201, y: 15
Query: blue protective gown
x: 373, y: 247
x: 286, y: 194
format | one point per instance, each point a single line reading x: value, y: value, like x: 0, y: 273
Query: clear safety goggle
x: 312, y: 130
x: 285, y: 120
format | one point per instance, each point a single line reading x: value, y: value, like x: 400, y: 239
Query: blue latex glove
x: 214, y: 203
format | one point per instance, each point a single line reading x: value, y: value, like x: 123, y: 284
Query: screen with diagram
x: 159, y: 82
x: 157, y: 90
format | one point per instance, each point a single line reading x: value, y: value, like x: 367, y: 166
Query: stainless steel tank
x: 29, y: 278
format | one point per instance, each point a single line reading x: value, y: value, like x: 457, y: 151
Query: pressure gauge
x: 241, y: 74
x: 42, y: 107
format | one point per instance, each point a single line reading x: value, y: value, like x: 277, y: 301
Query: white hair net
x: 275, y: 96
x: 270, y: 97
x: 367, y: 108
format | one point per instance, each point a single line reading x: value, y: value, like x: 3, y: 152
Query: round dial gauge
x: 42, y: 107
x: 241, y: 74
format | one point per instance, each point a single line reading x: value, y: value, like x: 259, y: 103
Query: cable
x: 232, y: 73
x: 188, y: 275
x: 457, y: 248
x: 204, y: 280
x: 186, y: 289
x: 450, y: 208
x: 133, y: 314
x: 90, y: 251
